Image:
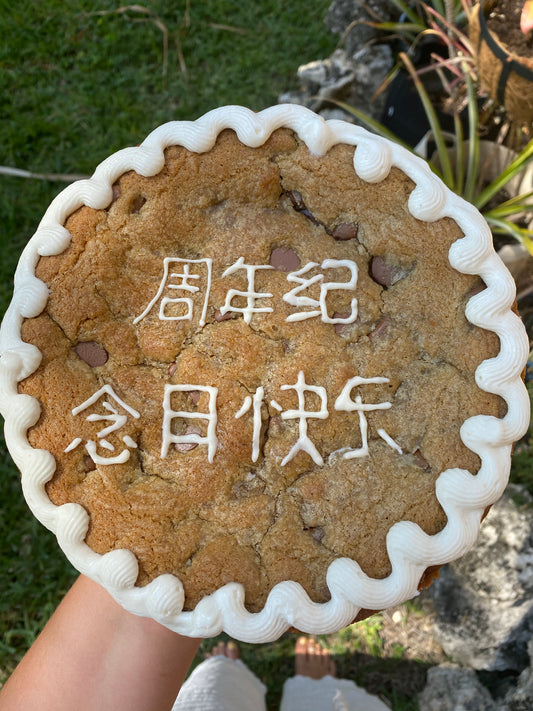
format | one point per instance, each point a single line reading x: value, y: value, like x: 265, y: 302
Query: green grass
x: 34, y: 575
x: 79, y: 80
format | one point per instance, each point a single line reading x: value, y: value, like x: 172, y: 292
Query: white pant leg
x: 300, y: 693
x: 221, y: 684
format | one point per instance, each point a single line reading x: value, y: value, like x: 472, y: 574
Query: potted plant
x: 496, y: 178
x: 500, y: 33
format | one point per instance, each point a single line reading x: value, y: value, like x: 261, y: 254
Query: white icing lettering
x: 129, y: 442
x: 244, y: 408
x: 345, y: 402
x: 73, y: 444
x: 181, y: 308
x: 182, y: 284
x: 192, y: 436
x: 169, y: 415
x: 251, y: 295
x: 121, y: 458
x: 257, y: 401
x: 319, y: 307
x: 117, y: 420
x: 388, y: 439
x: 301, y: 414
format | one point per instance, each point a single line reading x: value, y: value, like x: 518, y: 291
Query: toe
x: 219, y: 649
x: 232, y: 651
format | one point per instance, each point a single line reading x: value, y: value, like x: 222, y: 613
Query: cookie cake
x: 262, y: 371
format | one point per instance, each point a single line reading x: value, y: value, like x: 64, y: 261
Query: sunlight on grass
x: 78, y: 81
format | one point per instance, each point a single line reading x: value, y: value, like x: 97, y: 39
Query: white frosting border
x: 464, y: 497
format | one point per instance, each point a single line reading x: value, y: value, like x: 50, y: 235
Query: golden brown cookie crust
x: 233, y: 519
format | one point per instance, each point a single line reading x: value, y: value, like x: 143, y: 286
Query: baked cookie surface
x: 254, y: 363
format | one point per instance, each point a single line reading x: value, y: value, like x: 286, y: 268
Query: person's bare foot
x: 313, y: 660
x: 228, y: 649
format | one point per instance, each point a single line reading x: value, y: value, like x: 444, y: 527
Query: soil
x: 504, y: 21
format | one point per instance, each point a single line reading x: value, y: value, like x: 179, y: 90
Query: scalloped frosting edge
x: 464, y: 497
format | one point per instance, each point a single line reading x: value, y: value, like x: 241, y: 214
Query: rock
x: 450, y: 688
x: 371, y: 66
x: 328, y: 77
x: 521, y: 698
x: 484, y: 601
x: 354, y: 73
x: 352, y: 80
x: 350, y: 18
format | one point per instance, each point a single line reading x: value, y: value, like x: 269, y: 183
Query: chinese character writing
x: 251, y: 294
x: 301, y: 414
x: 175, y: 282
x: 116, y: 419
x: 345, y: 402
x: 256, y: 402
x: 318, y: 307
x: 169, y: 415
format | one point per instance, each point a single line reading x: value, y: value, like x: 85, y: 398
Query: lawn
x: 79, y: 80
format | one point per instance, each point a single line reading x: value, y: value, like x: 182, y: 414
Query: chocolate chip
x: 194, y: 396
x: 187, y: 446
x: 297, y: 200
x: 339, y: 327
x: 385, y: 273
x: 345, y: 231
x: 307, y: 213
x: 380, y: 328
x: 223, y: 317
x: 172, y: 369
x: 137, y: 203
x: 300, y: 206
x: 88, y: 463
x: 284, y: 259
x: 91, y: 353
x: 421, y: 460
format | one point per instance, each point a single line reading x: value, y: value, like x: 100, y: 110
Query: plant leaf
x: 374, y: 125
x: 514, y: 206
x: 407, y: 9
x: 505, y: 176
x: 401, y: 28
x: 431, y: 115
x: 521, y: 234
x: 473, y: 139
x: 459, y: 154
x: 504, y: 212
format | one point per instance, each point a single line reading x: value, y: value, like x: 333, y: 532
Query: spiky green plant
x: 464, y: 173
